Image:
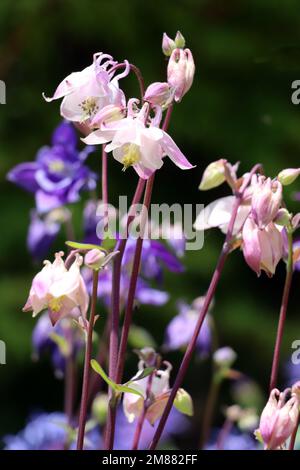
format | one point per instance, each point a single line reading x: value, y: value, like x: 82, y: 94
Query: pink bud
x: 159, y: 93
x: 262, y: 248
x: 266, y: 201
x: 278, y: 419
x: 168, y: 45
x: 94, y: 259
x: 181, y: 70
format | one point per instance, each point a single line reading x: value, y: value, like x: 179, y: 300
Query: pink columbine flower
x: 278, y: 419
x: 135, y: 144
x: 58, y: 289
x: 266, y: 200
x: 133, y: 405
x: 262, y: 248
x: 86, y: 92
x: 181, y: 70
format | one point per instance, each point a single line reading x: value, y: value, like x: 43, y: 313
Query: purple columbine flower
x: 181, y: 328
x: 58, y: 174
x: 48, y: 432
x: 291, y: 373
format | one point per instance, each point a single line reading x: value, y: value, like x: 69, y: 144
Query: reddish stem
x: 208, y: 298
x: 87, y: 360
x: 282, y: 315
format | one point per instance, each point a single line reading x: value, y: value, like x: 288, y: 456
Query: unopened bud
x: 159, y: 93
x: 107, y: 114
x: 288, y: 176
x: 94, y: 259
x: 168, y: 45
x: 283, y: 217
x: 224, y: 357
x: 213, y: 176
x: 99, y: 408
x: 179, y: 40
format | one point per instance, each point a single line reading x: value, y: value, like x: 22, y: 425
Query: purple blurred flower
x: 296, y: 248
x: 181, y: 328
x: 291, y: 373
x: 58, y: 174
x: 48, y: 432
x: 145, y: 294
x: 42, y: 341
x: 235, y: 440
x: 176, y: 425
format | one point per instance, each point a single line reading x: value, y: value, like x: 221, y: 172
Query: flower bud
x: 181, y: 70
x: 99, y: 408
x: 179, y: 40
x: 288, y: 176
x: 266, y: 201
x: 94, y: 259
x: 224, y: 357
x: 213, y: 176
x: 278, y: 419
x: 283, y: 217
x: 159, y: 93
x: 168, y: 45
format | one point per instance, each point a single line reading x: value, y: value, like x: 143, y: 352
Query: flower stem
x: 208, y: 298
x: 115, y: 313
x: 283, y: 311
x: 209, y: 410
x: 133, y: 281
x: 104, y: 177
x: 87, y: 360
x: 141, y: 420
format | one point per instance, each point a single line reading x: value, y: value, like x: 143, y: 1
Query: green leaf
x: 116, y: 387
x: 184, y: 403
x: 85, y: 246
x: 139, y: 338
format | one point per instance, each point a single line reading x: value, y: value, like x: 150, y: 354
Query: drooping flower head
x: 87, y: 92
x: 266, y: 200
x: 134, y: 144
x: 279, y: 418
x: 58, y: 289
x: 58, y: 174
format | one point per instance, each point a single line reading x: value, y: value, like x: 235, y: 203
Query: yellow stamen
x: 89, y: 106
x: 55, y: 304
x: 131, y: 156
x: 56, y: 166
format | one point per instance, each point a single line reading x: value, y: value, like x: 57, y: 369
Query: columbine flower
x: 278, y: 419
x: 134, y: 144
x: 262, y: 248
x: 58, y: 289
x: 42, y: 231
x: 160, y: 388
x: 85, y: 93
x: 181, y: 70
x: 266, y: 201
x: 181, y: 328
x: 58, y: 174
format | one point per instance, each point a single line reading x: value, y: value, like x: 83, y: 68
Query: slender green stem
x: 283, y: 311
x: 87, y: 361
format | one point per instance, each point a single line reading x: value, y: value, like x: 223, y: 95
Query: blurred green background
x: 247, y: 54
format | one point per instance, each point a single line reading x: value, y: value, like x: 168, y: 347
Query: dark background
x: 247, y: 54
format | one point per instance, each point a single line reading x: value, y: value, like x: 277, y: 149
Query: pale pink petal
x: 174, y: 153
